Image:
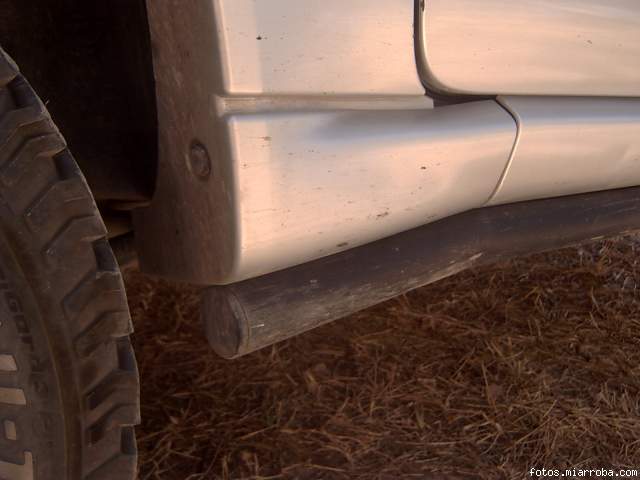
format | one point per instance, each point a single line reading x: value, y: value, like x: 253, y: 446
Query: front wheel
x: 69, y: 389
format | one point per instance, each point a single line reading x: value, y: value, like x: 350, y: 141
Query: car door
x: 567, y: 70
x: 531, y: 47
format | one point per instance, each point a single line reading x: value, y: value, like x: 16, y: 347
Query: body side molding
x: 571, y: 145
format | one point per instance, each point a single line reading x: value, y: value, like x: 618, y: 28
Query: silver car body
x: 531, y: 47
x: 324, y: 123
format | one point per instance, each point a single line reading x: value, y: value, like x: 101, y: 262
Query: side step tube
x: 243, y: 317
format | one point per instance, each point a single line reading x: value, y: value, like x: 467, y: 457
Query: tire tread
x: 62, y: 220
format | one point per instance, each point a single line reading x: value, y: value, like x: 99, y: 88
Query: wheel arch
x: 91, y: 63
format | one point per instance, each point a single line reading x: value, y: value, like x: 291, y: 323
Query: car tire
x: 69, y: 386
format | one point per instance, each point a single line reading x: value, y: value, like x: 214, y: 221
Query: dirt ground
x: 535, y: 362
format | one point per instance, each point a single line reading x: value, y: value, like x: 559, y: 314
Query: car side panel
x: 531, y: 47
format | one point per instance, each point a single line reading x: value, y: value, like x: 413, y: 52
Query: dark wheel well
x: 91, y: 63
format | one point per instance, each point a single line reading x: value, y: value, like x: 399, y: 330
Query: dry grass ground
x: 535, y: 362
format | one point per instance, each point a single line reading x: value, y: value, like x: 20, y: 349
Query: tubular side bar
x: 246, y: 316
